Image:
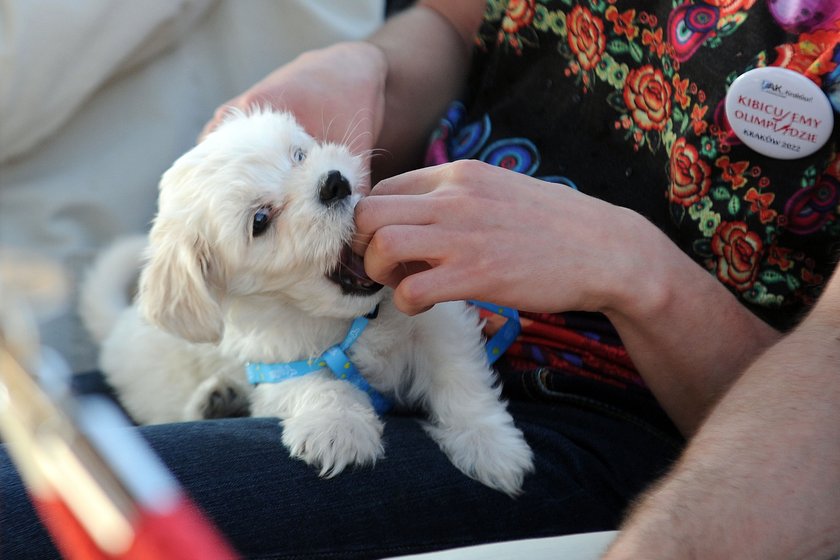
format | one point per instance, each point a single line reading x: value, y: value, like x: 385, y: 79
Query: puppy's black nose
x: 334, y: 187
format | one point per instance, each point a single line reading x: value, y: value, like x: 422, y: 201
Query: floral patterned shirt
x: 646, y: 81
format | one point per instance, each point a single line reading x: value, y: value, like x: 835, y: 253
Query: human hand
x: 472, y: 230
x: 469, y: 230
x: 336, y: 93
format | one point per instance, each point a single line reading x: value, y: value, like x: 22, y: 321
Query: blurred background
x: 99, y: 97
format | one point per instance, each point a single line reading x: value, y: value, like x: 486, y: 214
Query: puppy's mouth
x: 350, y: 275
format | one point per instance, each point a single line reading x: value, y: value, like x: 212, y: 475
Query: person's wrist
x: 373, y: 53
x: 362, y: 54
x: 640, y: 284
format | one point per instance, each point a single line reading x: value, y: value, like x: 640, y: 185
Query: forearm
x: 382, y: 95
x: 762, y: 477
x: 686, y: 333
x: 427, y: 49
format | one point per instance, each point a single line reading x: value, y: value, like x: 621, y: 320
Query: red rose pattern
x: 659, y: 107
x: 690, y: 176
x: 519, y: 14
x: 586, y: 37
x: 647, y: 94
x: 738, y: 251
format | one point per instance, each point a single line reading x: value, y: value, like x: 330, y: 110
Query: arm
x: 603, y: 258
x: 427, y: 51
x: 688, y: 336
x: 762, y: 477
x: 385, y: 93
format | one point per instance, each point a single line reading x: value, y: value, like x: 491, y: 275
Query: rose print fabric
x: 636, y: 90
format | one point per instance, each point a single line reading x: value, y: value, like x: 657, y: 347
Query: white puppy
x: 158, y: 377
x: 250, y: 251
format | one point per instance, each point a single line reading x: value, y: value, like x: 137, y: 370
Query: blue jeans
x: 593, y: 455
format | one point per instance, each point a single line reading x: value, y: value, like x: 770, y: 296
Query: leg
x: 218, y: 397
x: 475, y: 430
x: 588, y: 465
x: 467, y: 419
x: 327, y: 423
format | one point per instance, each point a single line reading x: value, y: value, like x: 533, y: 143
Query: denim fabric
x: 590, y: 461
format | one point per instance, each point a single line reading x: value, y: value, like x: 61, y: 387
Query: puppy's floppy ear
x: 177, y: 288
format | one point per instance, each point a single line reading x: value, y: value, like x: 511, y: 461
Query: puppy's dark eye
x: 262, y: 219
x: 298, y: 155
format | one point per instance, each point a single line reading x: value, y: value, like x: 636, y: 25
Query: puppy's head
x: 257, y: 210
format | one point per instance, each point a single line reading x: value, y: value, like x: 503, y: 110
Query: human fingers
x: 375, y: 213
x: 417, y: 181
x: 419, y: 291
x: 422, y: 196
x: 409, y: 296
x: 398, y: 251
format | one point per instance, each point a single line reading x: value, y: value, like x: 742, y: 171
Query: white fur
x: 157, y: 376
x: 267, y: 299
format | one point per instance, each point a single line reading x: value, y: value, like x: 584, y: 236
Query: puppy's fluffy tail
x: 108, y: 287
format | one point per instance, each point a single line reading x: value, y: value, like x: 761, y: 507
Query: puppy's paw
x: 226, y: 402
x: 331, y: 440
x: 217, y: 398
x: 494, y: 454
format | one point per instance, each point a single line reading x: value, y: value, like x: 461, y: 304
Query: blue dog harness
x: 335, y: 357
x: 505, y: 336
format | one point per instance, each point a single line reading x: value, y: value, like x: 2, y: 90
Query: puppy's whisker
x: 351, y: 137
x: 353, y: 125
x: 327, y: 126
x: 374, y: 153
x: 354, y: 122
x: 359, y: 137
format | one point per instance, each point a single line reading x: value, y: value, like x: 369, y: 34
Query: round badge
x: 779, y: 113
